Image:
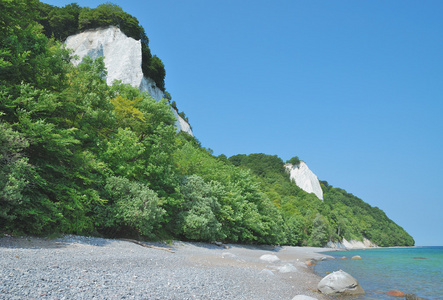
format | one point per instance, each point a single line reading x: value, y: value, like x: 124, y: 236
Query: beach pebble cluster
x: 77, y: 267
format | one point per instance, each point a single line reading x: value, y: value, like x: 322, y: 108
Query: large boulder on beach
x: 288, y: 268
x: 270, y: 258
x: 340, y: 283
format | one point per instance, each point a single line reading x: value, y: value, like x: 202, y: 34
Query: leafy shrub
x: 294, y: 161
x: 23, y: 209
x: 132, y: 205
x: 198, y: 219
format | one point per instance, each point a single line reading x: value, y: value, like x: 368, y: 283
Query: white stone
x: 270, y: 258
x: 122, y: 58
x: 303, y: 297
x: 287, y: 269
x: 228, y: 254
x: 340, y: 283
x: 305, y: 178
x: 266, y: 272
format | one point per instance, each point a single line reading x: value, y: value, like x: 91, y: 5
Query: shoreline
x: 194, y: 271
x: 383, y: 274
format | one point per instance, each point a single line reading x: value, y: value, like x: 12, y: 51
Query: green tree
x: 26, y: 55
x: 131, y: 207
x: 198, y: 220
x: 319, y: 235
x: 23, y: 208
x: 59, y: 22
x: 294, y: 161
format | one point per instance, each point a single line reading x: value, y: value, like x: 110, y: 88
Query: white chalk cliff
x: 352, y: 244
x: 305, y: 178
x: 122, y: 58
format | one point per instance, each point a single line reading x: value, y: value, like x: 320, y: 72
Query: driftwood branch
x: 148, y: 246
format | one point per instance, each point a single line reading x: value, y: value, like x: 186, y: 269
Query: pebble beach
x: 77, y: 267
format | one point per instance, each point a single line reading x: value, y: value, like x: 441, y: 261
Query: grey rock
x: 271, y: 258
x: 303, y: 297
x: 267, y: 272
x: 340, y: 283
x: 289, y: 268
x: 228, y: 255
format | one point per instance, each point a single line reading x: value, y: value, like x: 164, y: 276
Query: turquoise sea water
x: 384, y: 269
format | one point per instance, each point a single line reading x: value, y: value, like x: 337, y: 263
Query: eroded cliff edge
x: 305, y: 178
x: 123, y: 61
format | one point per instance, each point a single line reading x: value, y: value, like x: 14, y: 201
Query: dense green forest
x: 79, y: 156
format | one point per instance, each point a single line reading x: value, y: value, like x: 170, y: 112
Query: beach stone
x: 340, y: 283
x: 356, y: 257
x: 303, y: 297
x: 271, y: 258
x: 267, y: 272
x: 395, y: 293
x: 310, y: 262
x: 287, y: 269
x: 228, y: 254
x: 344, y: 257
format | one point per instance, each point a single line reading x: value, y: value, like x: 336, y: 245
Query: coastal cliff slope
x: 352, y: 244
x: 305, y: 178
x: 122, y: 58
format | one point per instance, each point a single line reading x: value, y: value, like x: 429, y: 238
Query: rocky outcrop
x: 340, y: 283
x: 352, y: 244
x: 305, y: 178
x: 122, y: 58
x: 181, y: 123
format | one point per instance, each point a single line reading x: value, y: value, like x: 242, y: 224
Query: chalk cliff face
x: 305, y: 178
x: 352, y: 244
x: 122, y: 58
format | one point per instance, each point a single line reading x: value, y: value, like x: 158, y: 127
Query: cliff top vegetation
x: 61, y: 22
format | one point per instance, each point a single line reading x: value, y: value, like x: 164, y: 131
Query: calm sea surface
x: 384, y: 269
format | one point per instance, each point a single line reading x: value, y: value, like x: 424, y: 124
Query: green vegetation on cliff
x: 78, y: 156
x: 340, y: 215
x: 61, y: 22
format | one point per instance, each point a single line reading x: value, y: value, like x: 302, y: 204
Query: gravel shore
x: 76, y: 267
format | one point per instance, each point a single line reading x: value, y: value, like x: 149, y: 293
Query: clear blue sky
x: 354, y: 88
